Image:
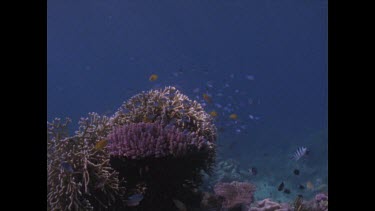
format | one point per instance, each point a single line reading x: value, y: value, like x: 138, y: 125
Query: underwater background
x: 259, y: 68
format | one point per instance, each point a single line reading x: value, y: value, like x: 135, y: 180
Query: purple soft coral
x: 140, y: 140
x: 321, y: 201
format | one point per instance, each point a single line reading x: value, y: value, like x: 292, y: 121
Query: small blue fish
x: 218, y: 105
x: 250, y: 77
x: 209, y: 84
x: 134, y: 200
x: 196, y: 90
x: 67, y: 167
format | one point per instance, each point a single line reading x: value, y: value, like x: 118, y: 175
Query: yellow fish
x: 213, y: 113
x: 309, y: 185
x: 207, y: 98
x: 101, y: 144
x: 233, y: 116
x: 153, y: 77
x: 146, y: 119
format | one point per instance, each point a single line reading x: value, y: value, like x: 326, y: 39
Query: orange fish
x: 233, y: 116
x: 207, y: 98
x: 309, y: 185
x: 101, y: 144
x: 145, y: 119
x: 153, y: 77
x: 213, y: 113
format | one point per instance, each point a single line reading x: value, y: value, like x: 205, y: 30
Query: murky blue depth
x: 264, y: 60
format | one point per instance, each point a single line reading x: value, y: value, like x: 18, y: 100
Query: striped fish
x: 301, y: 152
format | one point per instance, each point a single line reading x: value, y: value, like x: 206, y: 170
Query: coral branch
x: 74, y: 166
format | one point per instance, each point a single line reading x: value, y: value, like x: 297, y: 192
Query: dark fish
x: 253, y: 171
x: 67, y: 167
x: 287, y: 191
x: 281, y: 186
x: 296, y: 171
x: 300, y: 196
x: 301, y: 187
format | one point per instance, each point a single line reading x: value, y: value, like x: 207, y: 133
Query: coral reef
x: 167, y: 106
x: 163, y: 140
x: 79, y: 177
x: 142, y: 140
x: 319, y: 203
x: 211, y: 201
x: 160, y: 142
x: 268, y: 205
x: 235, y: 193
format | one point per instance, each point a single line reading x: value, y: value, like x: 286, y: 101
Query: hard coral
x: 79, y: 177
x: 159, y: 142
x: 163, y: 140
x: 235, y: 193
x: 268, y: 205
x: 167, y: 106
x: 319, y: 203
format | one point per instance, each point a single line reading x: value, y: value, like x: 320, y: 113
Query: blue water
x: 266, y: 58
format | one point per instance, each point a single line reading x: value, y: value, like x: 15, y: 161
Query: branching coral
x: 235, y: 193
x: 167, y: 106
x: 79, y: 176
